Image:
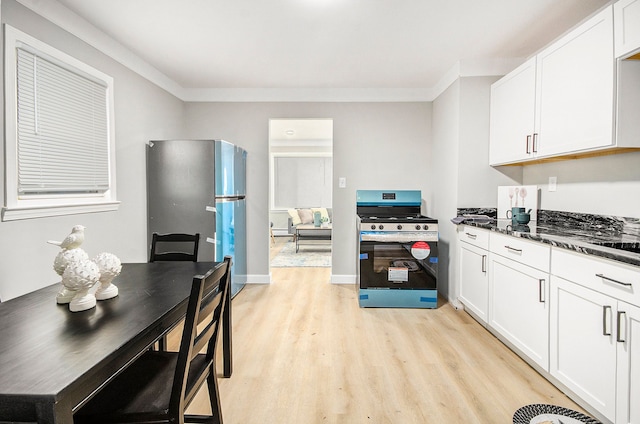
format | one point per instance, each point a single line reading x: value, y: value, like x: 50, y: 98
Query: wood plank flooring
x: 305, y: 353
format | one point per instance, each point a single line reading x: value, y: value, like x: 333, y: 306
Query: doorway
x: 300, y: 192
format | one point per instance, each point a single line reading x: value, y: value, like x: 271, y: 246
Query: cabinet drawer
x: 611, y: 278
x: 475, y: 236
x: 533, y: 254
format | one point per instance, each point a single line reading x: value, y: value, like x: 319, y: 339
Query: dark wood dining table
x: 52, y: 360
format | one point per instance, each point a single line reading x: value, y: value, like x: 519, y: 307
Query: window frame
x: 25, y: 206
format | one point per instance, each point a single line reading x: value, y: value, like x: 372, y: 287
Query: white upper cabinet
x: 566, y: 101
x: 575, y: 90
x: 627, y: 27
x: 512, y: 115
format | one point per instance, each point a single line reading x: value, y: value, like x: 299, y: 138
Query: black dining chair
x: 188, y: 242
x: 158, y: 386
x: 188, y: 251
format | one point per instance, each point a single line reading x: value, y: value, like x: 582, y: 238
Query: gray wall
x: 460, y: 167
x: 375, y: 146
x: 142, y: 111
x: 606, y: 185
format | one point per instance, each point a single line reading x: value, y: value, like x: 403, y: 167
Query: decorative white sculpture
x: 109, y: 266
x: 60, y: 263
x: 73, y: 240
x: 80, y: 276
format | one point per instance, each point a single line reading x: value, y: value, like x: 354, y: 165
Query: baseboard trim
x: 259, y: 279
x: 343, y: 279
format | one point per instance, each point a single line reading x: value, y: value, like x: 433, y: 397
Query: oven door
x: 398, y: 264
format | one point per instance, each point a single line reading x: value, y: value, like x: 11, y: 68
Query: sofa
x: 305, y: 216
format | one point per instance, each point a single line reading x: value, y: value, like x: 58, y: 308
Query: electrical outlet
x: 553, y: 183
x: 342, y: 182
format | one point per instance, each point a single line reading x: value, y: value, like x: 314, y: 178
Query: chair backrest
x: 206, y: 303
x: 189, y: 242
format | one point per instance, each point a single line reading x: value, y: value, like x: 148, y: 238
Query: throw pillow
x: 306, y: 216
x: 295, y: 217
x: 323, y: 213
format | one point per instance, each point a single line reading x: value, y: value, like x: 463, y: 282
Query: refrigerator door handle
x: 230, y: 198
x: 215, y: 216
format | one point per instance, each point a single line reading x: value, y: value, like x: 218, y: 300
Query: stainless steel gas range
x: 397, y: 250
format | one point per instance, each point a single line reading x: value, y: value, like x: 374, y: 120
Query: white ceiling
x: 313, y: 45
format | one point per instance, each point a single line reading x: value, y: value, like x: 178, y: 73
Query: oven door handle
x: 398, y: 237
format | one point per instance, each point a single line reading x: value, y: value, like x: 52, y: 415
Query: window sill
x: 13, y: 214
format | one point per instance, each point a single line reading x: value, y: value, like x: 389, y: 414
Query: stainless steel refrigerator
x: 198, y: 186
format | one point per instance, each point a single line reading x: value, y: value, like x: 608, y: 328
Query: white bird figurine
x: 73, y: 240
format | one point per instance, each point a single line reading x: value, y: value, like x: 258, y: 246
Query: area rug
x: 309, y: 255
x: 550, y: 414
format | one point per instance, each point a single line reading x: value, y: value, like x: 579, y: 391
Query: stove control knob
x: 373, y: 226
x: 399, y: 227
x: 418, y: 227
x: 380, y: 227
x: 426, y: 227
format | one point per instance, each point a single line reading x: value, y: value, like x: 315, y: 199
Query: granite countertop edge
x: 569, y: 242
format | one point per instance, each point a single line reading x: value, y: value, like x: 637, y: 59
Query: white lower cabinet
x: 595, y: 333
x: 628, y: 405
x: 474, y: 281
x: 574, y: 317
x: 519, y: 307
x: 583, y: 343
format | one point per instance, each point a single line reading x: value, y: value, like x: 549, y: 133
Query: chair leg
x: 214, y: 398
x: 162, y: 343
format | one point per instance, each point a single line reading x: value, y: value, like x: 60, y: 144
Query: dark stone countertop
x: 609, y: 237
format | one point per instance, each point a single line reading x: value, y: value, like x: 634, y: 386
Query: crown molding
x: 307, y: 95
x: 79, y: 27
x: 475, y: 68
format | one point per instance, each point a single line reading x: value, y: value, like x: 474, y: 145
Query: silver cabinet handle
x: 604, y: 277
x: 605, y: 332
x: 527, y: 148
x: 541, y: 297
x: 484, y: 263
x: 471, y: 236
x: 513, y: 249
x: 535, y: 142
x: 619, y: 327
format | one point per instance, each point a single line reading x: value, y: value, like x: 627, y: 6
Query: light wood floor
x: 305, y: 353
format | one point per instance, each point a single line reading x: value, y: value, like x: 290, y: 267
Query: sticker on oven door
x: 398, y: 274
x: 420, y: 250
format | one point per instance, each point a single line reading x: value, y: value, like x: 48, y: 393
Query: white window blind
x: 302, y: 181
x: 63, y: 144
x: 59, y: 132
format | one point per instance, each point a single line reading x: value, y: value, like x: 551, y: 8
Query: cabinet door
x: 474, y: 284
x: 519, y: 307
x: 575, y: 90
x: 512, y: 115
x: 628, y: 364
x: 627, y: 27
x: 583, y: 343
